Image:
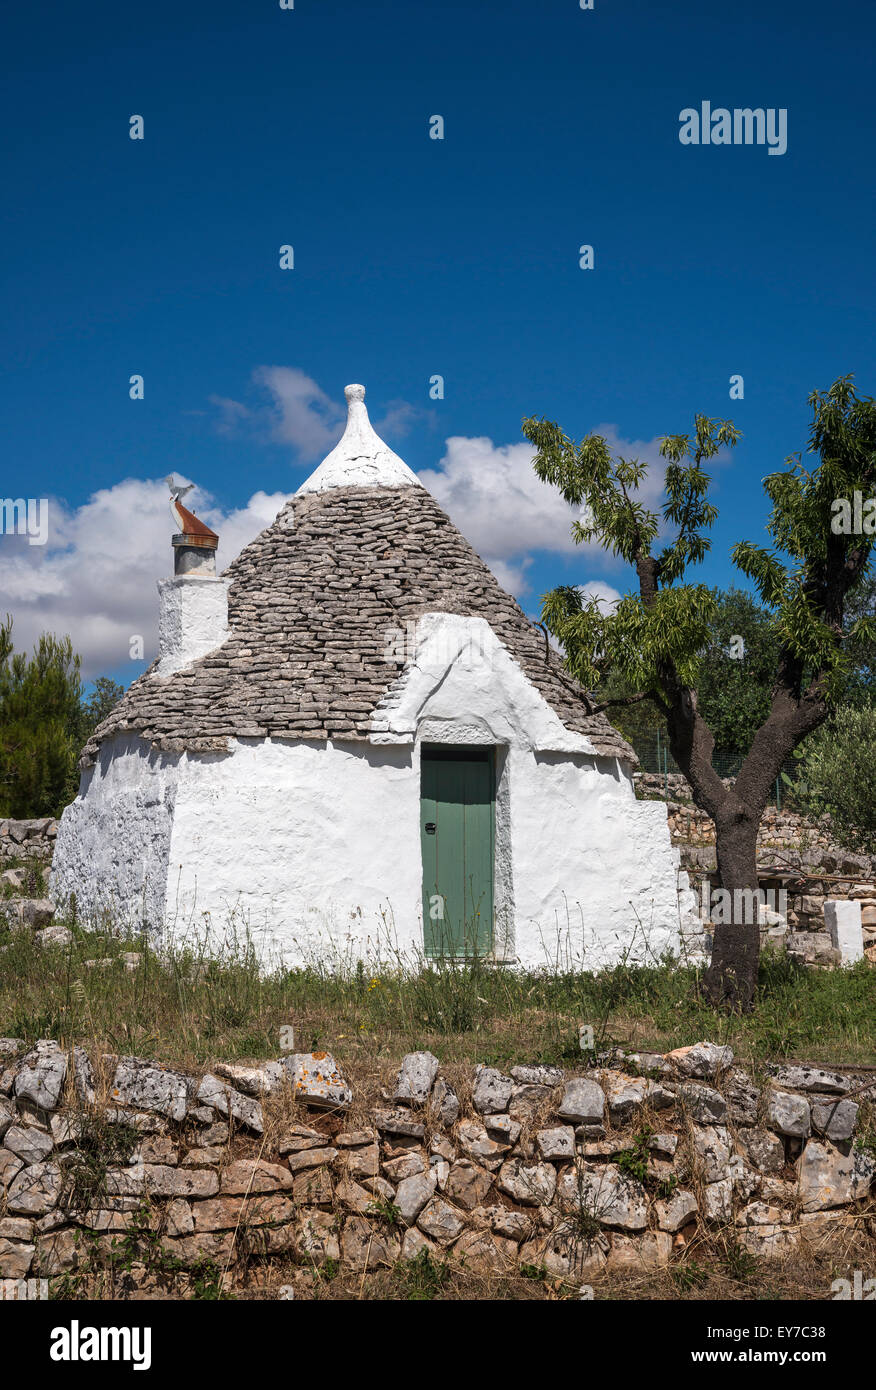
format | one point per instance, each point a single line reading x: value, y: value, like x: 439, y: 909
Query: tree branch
x: 625, y: 700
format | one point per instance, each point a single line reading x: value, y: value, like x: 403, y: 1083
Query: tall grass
x: 188, y: 1007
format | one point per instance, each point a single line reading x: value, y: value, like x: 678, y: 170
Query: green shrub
x: 836, y: 776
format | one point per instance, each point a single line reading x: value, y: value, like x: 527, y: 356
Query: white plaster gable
x: 360, y: 458
x: 460, y: 684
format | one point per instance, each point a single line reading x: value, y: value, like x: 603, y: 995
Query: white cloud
x: 291, y: 408
x: 231, y: 414
x: 493, y: 495
x: 95, y: 579
x: 604, y: 594
x: 495, y: 498
x: 511, y: 577
x: 397, y: 419
x: 302, y: 414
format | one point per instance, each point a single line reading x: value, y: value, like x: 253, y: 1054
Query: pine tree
x: 39, y: 716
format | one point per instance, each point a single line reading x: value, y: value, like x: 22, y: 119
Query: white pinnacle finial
x: 360, y: 458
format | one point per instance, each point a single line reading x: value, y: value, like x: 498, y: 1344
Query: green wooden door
x: 456, y: 833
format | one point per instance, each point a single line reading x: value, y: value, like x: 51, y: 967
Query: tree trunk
x: 730, y: 981
x: 731, y: 978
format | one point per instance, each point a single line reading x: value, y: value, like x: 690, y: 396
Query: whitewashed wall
x: 313, y: 849
x: 113, y: 840
x: 594, y: 873
x: 192, y: 619
x: 585, y: 873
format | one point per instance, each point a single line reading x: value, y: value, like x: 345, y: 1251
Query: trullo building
x: 354, y: 736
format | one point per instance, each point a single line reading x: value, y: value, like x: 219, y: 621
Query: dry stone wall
x: 794, y: 854
x: 28, y: 839
x: 615, y: 1168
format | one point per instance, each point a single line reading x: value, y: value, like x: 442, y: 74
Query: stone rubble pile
x: 31, y: 915
x: 616, y: 1169
x: 28, y: 839
x: 780, y: 829
x: 34, y: 841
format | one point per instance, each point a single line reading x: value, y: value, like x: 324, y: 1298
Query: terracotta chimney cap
x: 189, y: 524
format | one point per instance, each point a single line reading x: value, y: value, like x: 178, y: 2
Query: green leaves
x: 586, y: 475
x: 835, y: 775
x: 764, y: 569
x: 652, y: 643
x: 633, y: 639
x: 39, y: 711
x: 103, y: 699
x: 804, y: 579
x: 710, y: 437
x: 44, y: 722
x: 687, y: 484
x: 665, y: 626
x: 843, y: 436
x: 809, y: 594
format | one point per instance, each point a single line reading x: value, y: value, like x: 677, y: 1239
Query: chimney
x: 193, y: 606
x: 195, y: 545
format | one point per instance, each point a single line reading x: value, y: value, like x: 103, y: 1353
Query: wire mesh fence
x: 655, y: 756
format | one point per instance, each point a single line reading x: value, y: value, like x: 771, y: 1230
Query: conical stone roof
x: 361, y: 550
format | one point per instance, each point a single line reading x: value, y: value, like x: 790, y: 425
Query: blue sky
x: 413, y: 257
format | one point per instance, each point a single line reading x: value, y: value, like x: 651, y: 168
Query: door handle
x: 430, y: 827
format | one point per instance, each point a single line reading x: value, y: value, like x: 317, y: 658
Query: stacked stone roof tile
x: 311, y: 603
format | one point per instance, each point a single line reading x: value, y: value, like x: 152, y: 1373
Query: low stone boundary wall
x: 614, y: 1168
x: 28, y: 839
x: 794, y: 855
x: 779, y: 830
